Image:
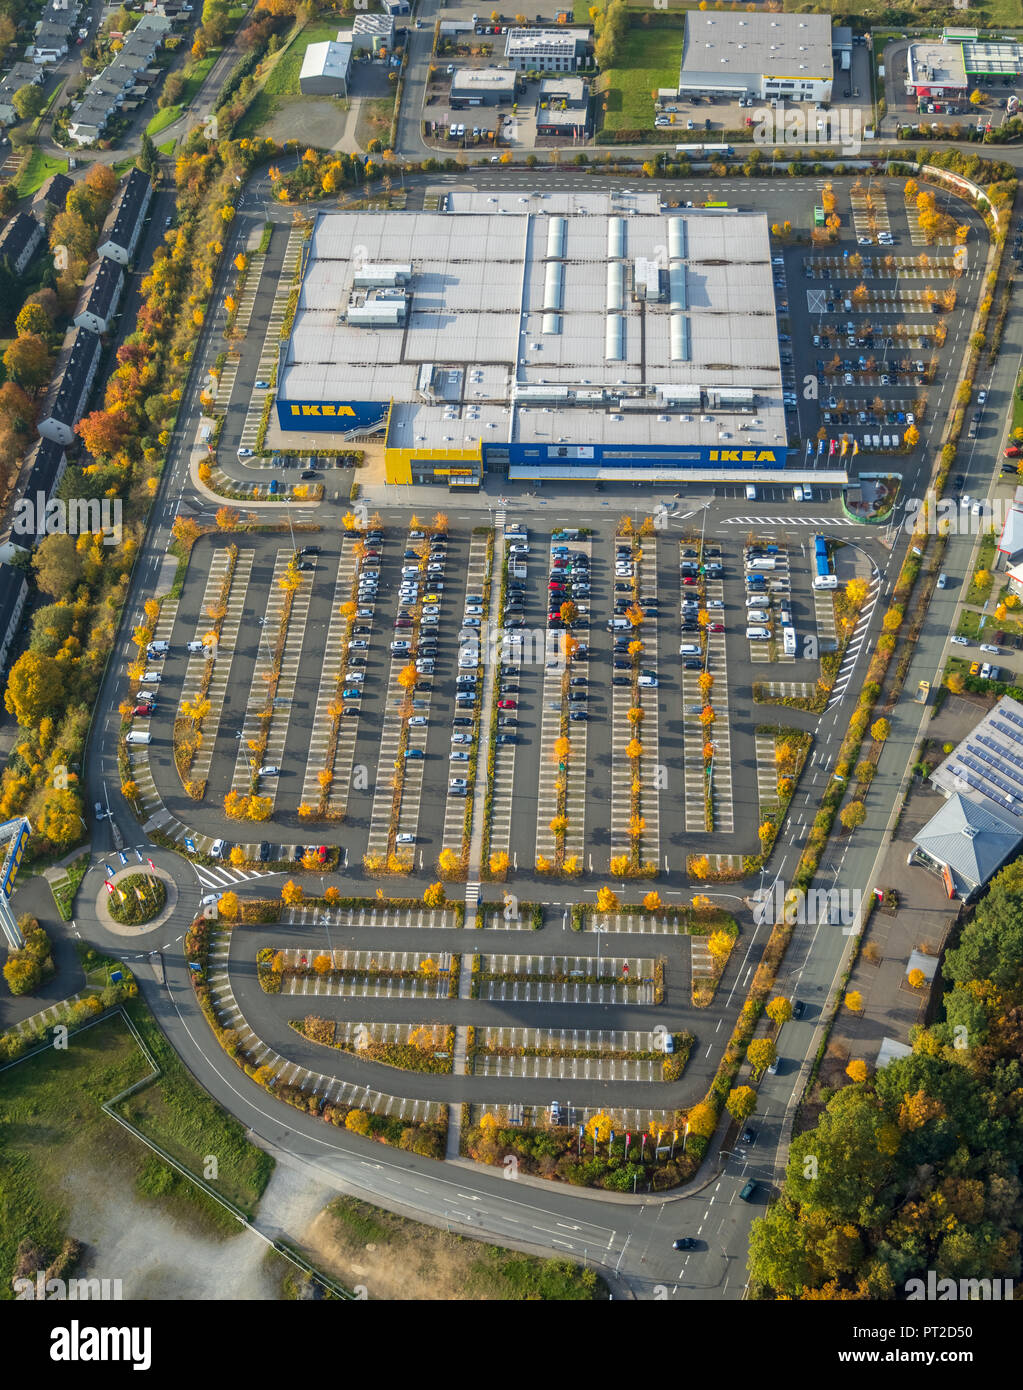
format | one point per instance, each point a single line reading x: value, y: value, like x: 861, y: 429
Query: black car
x: 960, y: 480
x: 577, y: 714
x: 305, y: 565
x: 309, y: 473
x: 798, y: 1008
x: 362, y: 630
x: 264, y: 851
x: 462, y: 721
x: 620, y: 680
x: 623, y: 665
x: 578, y: 680
x: 298, y: 852
x: 577, y: 695
x: 310, y: 550
x: 683, y: 1243
x: 748, y: 1136
x: 692, y: 665
x: 507, y: 738
x: 509, y: 688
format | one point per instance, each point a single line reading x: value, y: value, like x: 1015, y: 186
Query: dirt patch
x: 397, y: 1259
x: 324, y: 123
x: 155, y: 1256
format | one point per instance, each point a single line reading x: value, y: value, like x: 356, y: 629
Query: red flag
x: 150, y: 863
x: 108, y: 885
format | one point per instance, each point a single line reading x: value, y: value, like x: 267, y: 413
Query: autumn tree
x: 854, y: 1001
x: 740, y: 1102
x: 27, y: 360
x: 607, y: 900
x: 229, y: 905
x: 853, y: 814
x: 292, y: 893
x: 434, y: 895
x: 35, y: 688
x: 779, y: 1010
x: 857, y: 1070
x: 761, y: 1054
x: 719, y: 944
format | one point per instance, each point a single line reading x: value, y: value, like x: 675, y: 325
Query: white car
x: 271, y: 770
x: 647, y: 680
x: 985, y: 671
x: 418, y: 720
x: 467, y: 661
x: 195, y: 647
x: 405, y: 838
x: 474, y: 610
x: 217, y: 849
x: 245, y: 453
x: 431, y: 608
x: 961, y: 641
x: 461, y: 738
x: 988, y: 647
x: 458, y: 755
x: 981, y: 397
x: 151, y: 676
x: 358, y: 644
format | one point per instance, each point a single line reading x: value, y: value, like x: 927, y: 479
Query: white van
x: 797, y: 493
x: 136, y: 736
x: 761, y: 562
x: 158, y: 649
x: 758, y: 615
x: 618, y: 625
x: 689, y: 649
x: 757, y: 634
x: 756, y: 600
x: 825, y: 581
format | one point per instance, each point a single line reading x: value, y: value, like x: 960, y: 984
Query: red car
x: 143, y: 709
x: 1013, y: 451
x: 322, y: 854
x: 689, y: 581
x: 556, y: 586
x: 715, y: 627
x: 507, y: 704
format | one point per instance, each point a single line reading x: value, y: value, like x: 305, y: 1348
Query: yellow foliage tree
x: 607, y: 900
x: 292, y: 893
x: 434, y: 895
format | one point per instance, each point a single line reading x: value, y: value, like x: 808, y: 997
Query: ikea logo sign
x: 742, y: 456
x: 333, y: 410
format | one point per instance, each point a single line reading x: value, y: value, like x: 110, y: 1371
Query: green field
x: 51, y: 1122
x: 650, y: 59
x: 39, y: 168
x: 282, y: 80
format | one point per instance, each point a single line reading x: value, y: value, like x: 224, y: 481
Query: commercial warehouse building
x: 980, y: 825
x: 764, y: 56
x: 483, y: 87
x: 325, y: 69
x: 581, y: 336
x: 547, y: 50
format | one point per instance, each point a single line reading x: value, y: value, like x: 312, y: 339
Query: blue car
x: 351, y: 694
x: 273, y: 486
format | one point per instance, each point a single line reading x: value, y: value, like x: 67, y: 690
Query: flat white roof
x: 480, y: 313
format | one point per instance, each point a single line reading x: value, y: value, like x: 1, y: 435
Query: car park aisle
x: 226, y: 644
x: 332, y: 658
x: 475, y: 571
x: 253, y: 725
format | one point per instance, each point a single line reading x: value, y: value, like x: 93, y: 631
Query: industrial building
x: 764, y: 56
x: 980, y: 826
x: 482, y: 87
x: 955, y: 66
x: 563, y: 107
x: 371, y: 32
x: 582, y: 336
x: 326, y: 68
x: 547, y: 50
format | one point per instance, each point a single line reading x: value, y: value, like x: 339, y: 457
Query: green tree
x: 33, y: 319
x: 57, y: 565
x: 741, y: 1102
x: 146, y: 159
x: 28, y: 101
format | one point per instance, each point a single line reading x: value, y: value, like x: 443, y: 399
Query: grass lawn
x: 1017, y: 405
x: 374, y: 121
x: 650, y: 59
x: 163, y: 119
x: 282, y: 80
x: 380, y: 1247
x: 51, y: 1121
x: 197, y: 75
x: 167, y: 147
x: 38, y: 169
x: 985, y: 557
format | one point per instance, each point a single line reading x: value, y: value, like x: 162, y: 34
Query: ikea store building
x: 564, y: 336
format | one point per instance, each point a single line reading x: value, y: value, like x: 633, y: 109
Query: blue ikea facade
x: 337, y: 417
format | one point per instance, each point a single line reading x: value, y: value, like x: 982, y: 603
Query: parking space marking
x: 319, y: 739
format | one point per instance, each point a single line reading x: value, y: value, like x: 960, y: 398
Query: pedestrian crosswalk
x: 225, y: 877
x: 790, y: 520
